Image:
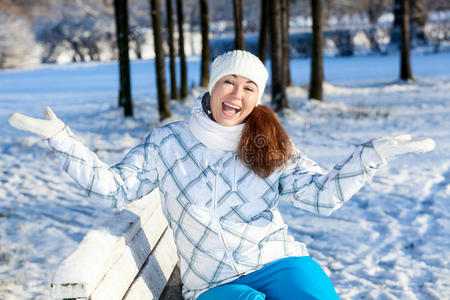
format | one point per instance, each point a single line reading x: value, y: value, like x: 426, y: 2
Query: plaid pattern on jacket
x: 224, y: 217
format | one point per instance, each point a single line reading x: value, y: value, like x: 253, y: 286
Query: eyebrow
x: 249, y: 81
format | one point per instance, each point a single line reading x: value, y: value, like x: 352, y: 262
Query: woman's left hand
x: 388, y: 147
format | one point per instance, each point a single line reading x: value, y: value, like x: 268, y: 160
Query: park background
x: 390, y: 241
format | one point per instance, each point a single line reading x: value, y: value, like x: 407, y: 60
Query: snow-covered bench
x: 129, y: 256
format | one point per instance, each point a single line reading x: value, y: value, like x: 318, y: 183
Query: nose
x: 237, y: 91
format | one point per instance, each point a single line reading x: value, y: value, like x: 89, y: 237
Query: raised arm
x: 131, y: 179
x: 307, y: 186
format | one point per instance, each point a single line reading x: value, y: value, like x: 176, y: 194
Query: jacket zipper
x: 227, y: 251
x: 233, y: 189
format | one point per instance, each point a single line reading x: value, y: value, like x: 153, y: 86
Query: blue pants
x: 296, y: 278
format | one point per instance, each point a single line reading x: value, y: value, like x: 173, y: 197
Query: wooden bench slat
x: 118, y: 279
x: 156, y: 272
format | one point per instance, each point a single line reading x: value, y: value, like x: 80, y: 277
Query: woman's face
x: 233, y: 98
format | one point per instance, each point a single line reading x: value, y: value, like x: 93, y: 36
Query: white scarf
x: 212, y: 134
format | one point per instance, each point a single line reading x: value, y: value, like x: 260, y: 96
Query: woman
x: 221, y: 175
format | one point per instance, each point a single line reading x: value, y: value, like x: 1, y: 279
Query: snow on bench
x: 131, y: 255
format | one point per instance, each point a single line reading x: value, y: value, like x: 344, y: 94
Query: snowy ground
x: 391, y: 241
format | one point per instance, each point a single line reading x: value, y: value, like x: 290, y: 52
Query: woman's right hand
x: 44, y: 128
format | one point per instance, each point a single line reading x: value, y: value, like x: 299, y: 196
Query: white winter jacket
x: 224, y: 217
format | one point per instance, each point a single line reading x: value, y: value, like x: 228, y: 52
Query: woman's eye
x: 228, y: 81
x: 249, y: 89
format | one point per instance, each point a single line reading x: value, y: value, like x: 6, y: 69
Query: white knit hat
x: 239, y: 62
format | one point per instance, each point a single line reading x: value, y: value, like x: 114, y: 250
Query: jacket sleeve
x: 304, y: 184
x: 135, y: 176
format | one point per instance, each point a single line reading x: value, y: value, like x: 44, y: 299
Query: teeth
x: 232, y: 106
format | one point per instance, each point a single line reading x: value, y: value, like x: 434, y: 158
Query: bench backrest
x: 131, y: 255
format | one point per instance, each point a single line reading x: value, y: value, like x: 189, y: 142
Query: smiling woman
x: 221, y: 175
x: 238, y: 79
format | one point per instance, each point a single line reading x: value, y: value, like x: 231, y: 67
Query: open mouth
x: 230, y: 109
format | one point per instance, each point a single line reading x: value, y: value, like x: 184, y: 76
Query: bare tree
x: 239, y: 42
x: 180, y: 18
x: 262, y: 43
x: 204, y: 77
x: 285, y: 40
x: 163, y: 101
x: 279, y: 98
x: 405, y: 68
x: 418, y: 19
x: 397, y: 25
x: 374, y: 10
x: 316, y: 79
x: 121, y: 15
x: 173, y: 75
x: 138, y: 26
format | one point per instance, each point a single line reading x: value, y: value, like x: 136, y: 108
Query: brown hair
x: 264, y: 145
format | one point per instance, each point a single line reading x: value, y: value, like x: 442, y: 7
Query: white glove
x: 43, y: 128
x: 388, y: 147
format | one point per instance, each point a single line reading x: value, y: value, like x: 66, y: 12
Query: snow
x: 391, y: 241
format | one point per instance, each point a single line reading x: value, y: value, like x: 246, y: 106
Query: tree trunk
x: 375, y: 9
x: 262, y: 44
x: 121, y: 16
x: 316, y: 79
x: 397, y: 25
x: 279, y: 98
x: 285, y: 40
x: 405, y: 72
x: 204, y: 79
x: 418, y: 19
x: 173, y: 74
x: 163, y: 101
x: 183, y: 68
x: 239, y: 42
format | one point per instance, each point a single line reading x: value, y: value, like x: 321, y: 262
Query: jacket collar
x: 210, y: 133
